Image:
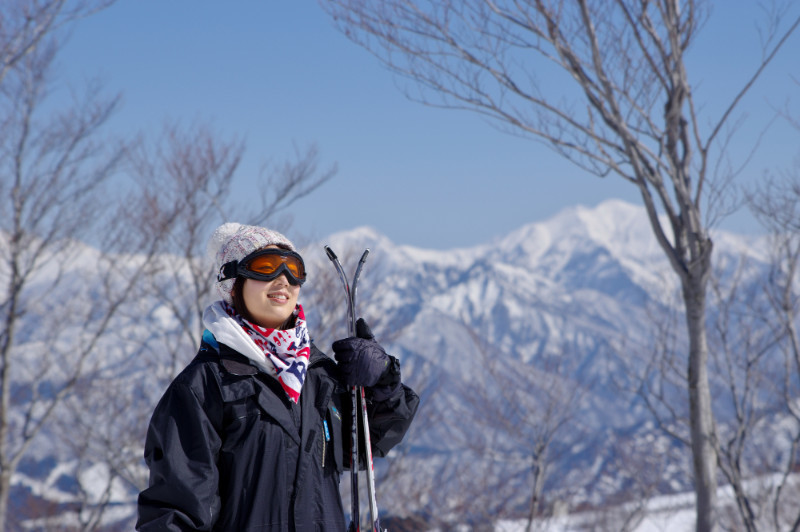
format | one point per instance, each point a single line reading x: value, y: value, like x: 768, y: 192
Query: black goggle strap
x: 228, y: 271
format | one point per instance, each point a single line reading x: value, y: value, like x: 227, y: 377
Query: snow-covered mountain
x: 574, y: 300
x: 548, y: 327
x: 566, y: 287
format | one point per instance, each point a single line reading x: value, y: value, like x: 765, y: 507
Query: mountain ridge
x: 561, y: 306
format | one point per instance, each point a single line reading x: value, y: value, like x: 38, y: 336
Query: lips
x: 278, y: 297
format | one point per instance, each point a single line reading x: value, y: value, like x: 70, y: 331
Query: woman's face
x: 270, y: 303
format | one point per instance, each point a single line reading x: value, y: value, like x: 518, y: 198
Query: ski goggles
x: 266, y: 265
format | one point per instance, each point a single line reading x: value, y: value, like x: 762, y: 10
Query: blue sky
x: 278, y: 73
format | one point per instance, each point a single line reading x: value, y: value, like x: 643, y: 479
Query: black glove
x: 362, y: 361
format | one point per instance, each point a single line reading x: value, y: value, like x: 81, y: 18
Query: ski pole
x: 357, y: 396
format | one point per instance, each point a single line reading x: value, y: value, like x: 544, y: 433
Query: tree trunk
x: 5, y: 486
x: 701, y: 417
x: 538, y: 485
x: 6, y: 466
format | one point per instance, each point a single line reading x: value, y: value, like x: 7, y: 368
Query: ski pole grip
x: 331, y: 254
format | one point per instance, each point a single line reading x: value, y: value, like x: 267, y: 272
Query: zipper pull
x: 326, y: 437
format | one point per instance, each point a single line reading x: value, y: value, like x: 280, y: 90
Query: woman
x: 253, y: 434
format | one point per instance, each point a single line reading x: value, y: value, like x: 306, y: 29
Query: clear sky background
x: 277, y: 73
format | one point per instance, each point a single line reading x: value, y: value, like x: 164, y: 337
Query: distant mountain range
x: 575, y: 300
x: 538, y: 336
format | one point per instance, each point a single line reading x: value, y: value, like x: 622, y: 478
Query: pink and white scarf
x: 287, y: 350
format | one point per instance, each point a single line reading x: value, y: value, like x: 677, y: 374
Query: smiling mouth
x: 279, y: 298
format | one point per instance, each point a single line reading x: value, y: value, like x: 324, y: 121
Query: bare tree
x: 633, y: 114
x: 58, y: 381
x: 516, y: 419
x: 532, y: 414
x: 182, y: 188
x: 186, y: 182
x: 777, y: 206
x: 742, y: 345
x: 29, y: 26
x: 743, y: 339
x: 751, y: 324
x: 52, y: 170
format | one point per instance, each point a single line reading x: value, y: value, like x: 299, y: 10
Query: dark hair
x: 237, y: 293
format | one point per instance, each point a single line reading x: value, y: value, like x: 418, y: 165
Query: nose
x: 285, y: 276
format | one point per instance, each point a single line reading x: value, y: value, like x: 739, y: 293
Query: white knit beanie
x: 232, y: 241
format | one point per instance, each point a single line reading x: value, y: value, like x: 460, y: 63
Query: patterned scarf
x: 287, y: 350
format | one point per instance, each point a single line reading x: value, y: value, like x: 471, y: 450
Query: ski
x: 358, y: 399
x: 354, y: 504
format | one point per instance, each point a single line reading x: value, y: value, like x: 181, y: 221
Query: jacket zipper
x: 326, y: 434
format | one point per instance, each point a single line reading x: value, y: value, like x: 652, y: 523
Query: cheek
x: 248, y: 292
x: 252, y: 290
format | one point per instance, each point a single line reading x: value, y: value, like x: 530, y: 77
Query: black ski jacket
x: 228, y: 451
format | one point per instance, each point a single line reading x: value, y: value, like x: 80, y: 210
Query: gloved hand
x: 362, y: 361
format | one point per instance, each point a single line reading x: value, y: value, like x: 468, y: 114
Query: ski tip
x: 331, y: 254
x: 364, y: 255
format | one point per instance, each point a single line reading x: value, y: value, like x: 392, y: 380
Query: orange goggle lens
x: 270, y: 264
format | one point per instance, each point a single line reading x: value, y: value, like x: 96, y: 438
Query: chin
x: 270, y: 322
